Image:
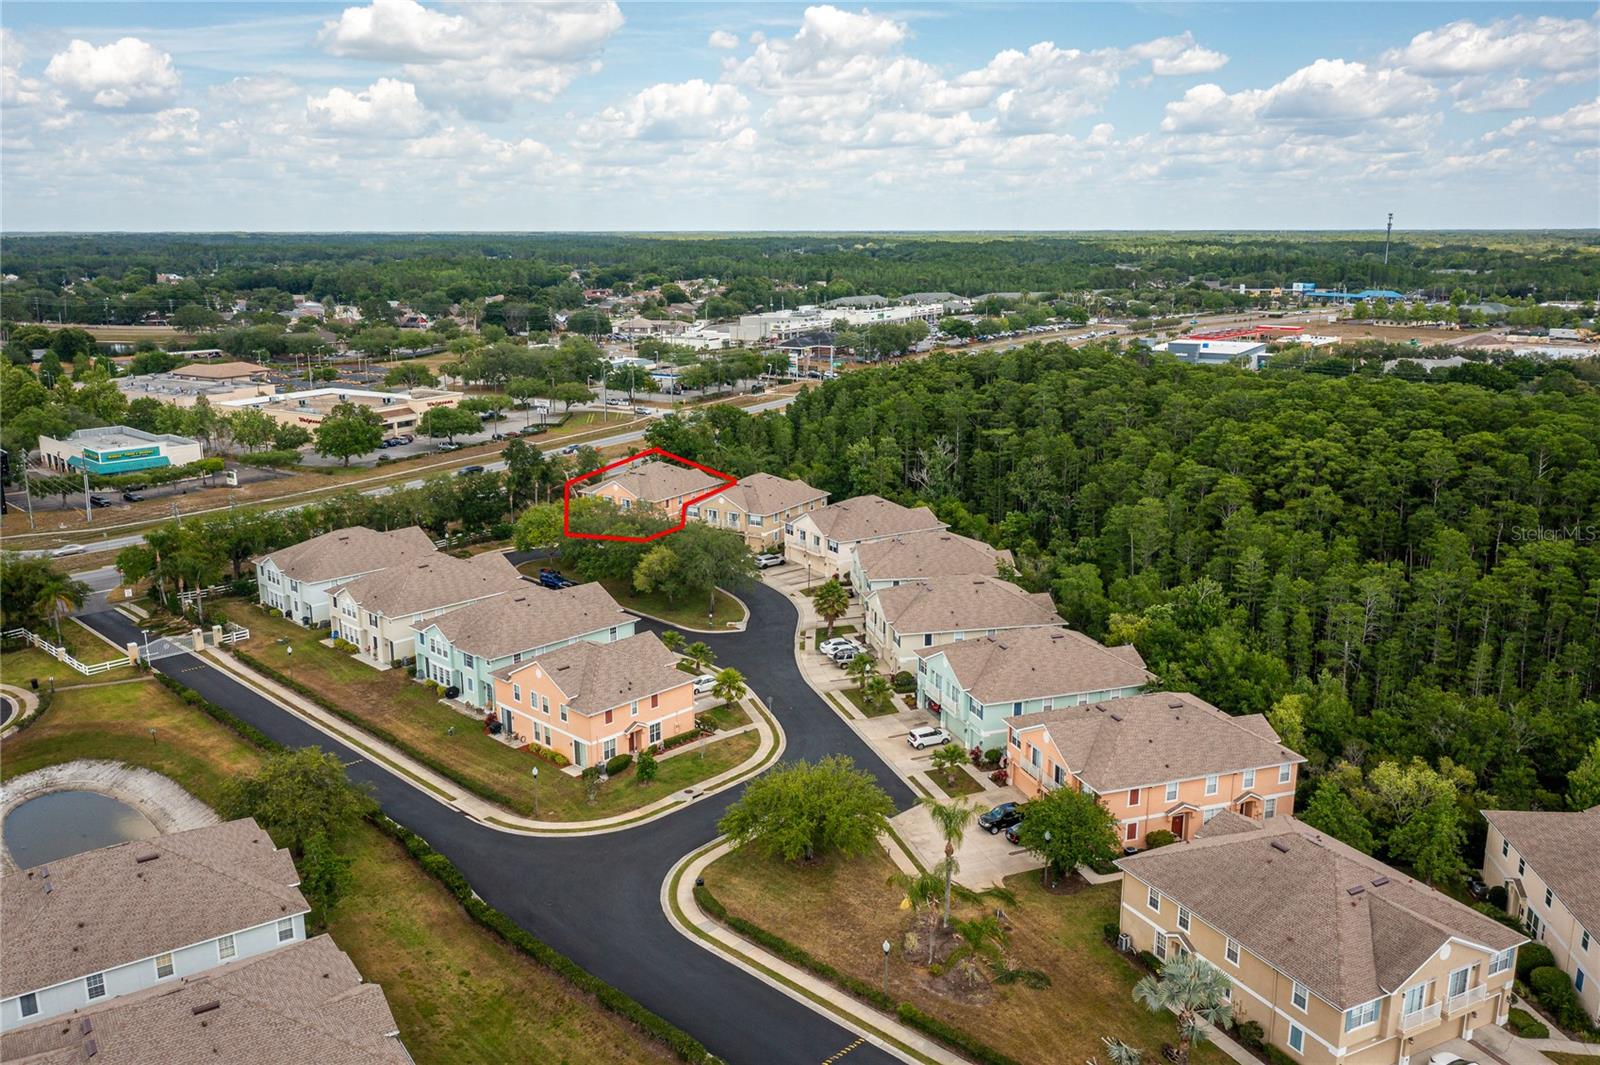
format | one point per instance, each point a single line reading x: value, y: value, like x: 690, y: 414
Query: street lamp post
x: 146, y: 634
x: 886, y: 967
x: 1045, y: 873
x: 535, y: 791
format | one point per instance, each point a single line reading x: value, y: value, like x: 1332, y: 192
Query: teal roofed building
x: 116, y: 449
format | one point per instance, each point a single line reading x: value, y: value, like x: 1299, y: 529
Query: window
x: 467, y: 660
x: 516, y: 693
x: 163, y: 966
x: 1016, y: 709
x: 927, y: 639
x: 1522, y: 865
x: 1361, y: 1016
x: 1160, y: 947
x: 544, y: 704
x: 1578, y: 981
x: 1249, y: 778
x: 563, y: 711
x: 1231, y: 952
x: 693, y: 512
x: 226, y: 948
x: 608, y: 750
x: 1153, y: 900
x: 1415, y: 998
x: 1297, y: 1039
x: 1033, y: 756
x: 29, y: 1004
x: 1502, y: 961
x: 608, y: 717
x: 1211, y: 784
x: 1133, y: 796
x: 1269, y: 808
x: 1549, y: 897
x: 1505, y: 848
x: 1172, y: 791
x: 95, y: 985
x: 1584, y: 942
x: 1061, y: 776
x: 1183, y: 918
x: 285, y: 929
x: 655, y: 732
x: 1132, y: 832
x: 1460, y: 980
x: 756, y: 519
x: 1283, y: 773
x: 833, y: 545
x: 1300, y: 997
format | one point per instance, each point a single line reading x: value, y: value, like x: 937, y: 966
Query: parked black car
x: 463, y: 471
x: 131, y: 496
x: 1011, y: 835
x: 99, y: 501
x: 1001, y: 817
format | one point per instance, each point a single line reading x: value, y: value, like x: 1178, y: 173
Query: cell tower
x: 1388, y: 231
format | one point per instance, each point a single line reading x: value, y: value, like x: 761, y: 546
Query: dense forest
x: 1392, y: 570
x: 112, y: 277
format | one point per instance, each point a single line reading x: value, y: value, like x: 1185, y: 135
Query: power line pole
x: 1388, y: 231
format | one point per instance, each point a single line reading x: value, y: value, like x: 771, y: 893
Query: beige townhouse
x: 1337, y: 956
x: 823, y: 540
x: 1549, y: 864
x: 297, y: 579
x: 378, y: 612
x: 905, y: 619
x: 914, y: 556
x: 758, y: 507
x: 666, y: 487
x: 1164, y: 760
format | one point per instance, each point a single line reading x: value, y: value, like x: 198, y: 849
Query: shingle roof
x: 348, y: 552
x: 596, y: 677
x: 304, y: 1003
x: 1564, y: 849
x: 762, y: 493
x: 1143, y: 740
x: 1294, y: 907
x: 929, y: 554
x: 525, y: 620
x: 1227, y: 823
x: 870, y: 517
x: 947, y: 604
x: 1035, y: 663
x: 104, y: 908
x: 656, y: 482
x: 412, y: 585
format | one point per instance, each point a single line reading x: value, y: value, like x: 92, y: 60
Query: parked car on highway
x: 553, y: 579
x: 927, y: 736
x: 1000, y: 818
x: 767, y: 561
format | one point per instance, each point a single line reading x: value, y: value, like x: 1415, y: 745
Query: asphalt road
x: 597, y: 898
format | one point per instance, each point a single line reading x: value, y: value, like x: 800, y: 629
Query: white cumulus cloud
x: 1467, y: 47
x: 689, y: 110
x: 723, y: 39
x: 126, y: 75
x: 387, y: 108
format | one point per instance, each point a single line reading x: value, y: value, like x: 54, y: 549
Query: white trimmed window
x: 1283, y: 773
x: 163, y: 966
x: 655, y: 732
x: 1361, y: 1016
x: 1584, y: 943
x: 226, y: 948
x: 1249, y: 778
x: 1183, y: 918
x: 1300, y: 997
x: 516, y: 693
x: 1231, y: 952
x: 94, y: 985
x: 1160, y: 946
x: 1297, y: 1039
x: 285, y: 929
x: 1132, y: 832
x: 1505, y: 848
x: 1211, y: 784
x: 1504, y: 960
x: 1415, y: 998
x: 1172, y: 791
x: 1153, y: 900
x: 1269, y: 808
x: 28, y: 1004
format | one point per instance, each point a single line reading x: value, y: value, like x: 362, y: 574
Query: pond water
x: 63, y: 823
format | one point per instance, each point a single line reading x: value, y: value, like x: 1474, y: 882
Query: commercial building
x: 1548, y: 862
x: 121, y: 919
x: 786, y: 324
x: 1249, y: 354
x: 976, y: 686
x: 298, y: 580
x: 116, y: 449
x: 308, y: 407
x: 824, y: 539
x: 905, y: 619
x: 179, y: 391
x: 1166, y: 760
x: 231, y: 372
x: 590, y: 702
x: 1337, y: 956
x: 461, y: 649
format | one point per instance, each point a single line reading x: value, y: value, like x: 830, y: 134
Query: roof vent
x: 1380, y: 881
x: 90, y: 1048
x: 1116, y: 717
x: 1175, y: 705
x: 44, y: 870
x: 1358, y: 889
x: 47, y: 887
x: 1280, y: 845
x: 87, y: 1026
x: 206, y: 1007
x: 147, y: 857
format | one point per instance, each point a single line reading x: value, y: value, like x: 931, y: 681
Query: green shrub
x: 275, y: 612
x: 1278, y: 1057
x: 1497, y: 898
x: 1150, y: 961
x: 349, y: 648
x: 993, y: 755
x: 270, y: 459
x: 648, y: 766
x: 1527, y: 1025
x: 1251, y: 1034
x: 680, y: 739
x: 903, y: 682
x: 618, y: 764
x: 1531, y: 956
x: 1111, y: 931
x: 1159, y: 838
x: 1498, y: 914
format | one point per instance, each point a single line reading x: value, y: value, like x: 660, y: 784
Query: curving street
x: 597, y: 898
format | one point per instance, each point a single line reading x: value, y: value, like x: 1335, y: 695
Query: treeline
x: 1399, y: 570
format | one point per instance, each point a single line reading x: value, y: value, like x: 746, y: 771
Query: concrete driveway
x: 982, y: 861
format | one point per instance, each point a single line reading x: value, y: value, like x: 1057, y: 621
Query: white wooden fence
x: 234, y: 633
x: 60, y: 654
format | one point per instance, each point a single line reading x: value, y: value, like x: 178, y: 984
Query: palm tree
x: 57, y: 594
x: 1121, y: 1053
x: 729, y: 686
x: 923, y: 892
x: 1195, y: 990
x: 876, y: 692
x: 674, y: 640
x: 951, y: 819
x: 982, y: 939
x: 832, y: 602
x: 861, y: 667
x: 699, y: 655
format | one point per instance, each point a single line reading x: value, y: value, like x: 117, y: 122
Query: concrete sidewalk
x: 769, y: 748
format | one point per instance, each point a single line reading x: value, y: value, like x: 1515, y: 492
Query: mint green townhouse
x: 462, y: 648
x: 977, y: 684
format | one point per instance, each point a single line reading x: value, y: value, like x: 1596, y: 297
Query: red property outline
x: 683, y: 512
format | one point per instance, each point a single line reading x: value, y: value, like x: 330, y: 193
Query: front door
x: 1177, y: 826
x: 633, y: 740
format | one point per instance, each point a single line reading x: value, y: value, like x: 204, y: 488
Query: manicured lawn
x: 727, y: 717
x: 889, y: 706
x: 955, y: 782
x: 1562, y: 1058
x: 460, y: 995
x: 392, y: 701
x: 840, y: 910
x: 819, y: 635
x: 685, y: 613
x: 18, y: 667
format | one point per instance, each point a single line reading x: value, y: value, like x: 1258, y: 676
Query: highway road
x: 597, y: 898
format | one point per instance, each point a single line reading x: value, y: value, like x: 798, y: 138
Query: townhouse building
x: 297, y: 580
x: 1339, y: 957
x: 378, y: 612
x: 305, y: 1002
x: 662, y: 486
x: 759, y: 507
x: 1166, y: 760
x: 592, y: 701
x: 463, y: 648
x: 905, y: 619
x: 915, y: 556
x: 145, y: 914
x: 824, y: 539
x: 976, y: 685
x: 1549, y: 864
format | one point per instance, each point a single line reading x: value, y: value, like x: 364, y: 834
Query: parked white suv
x: 837, y: 644
x: 927, y: 736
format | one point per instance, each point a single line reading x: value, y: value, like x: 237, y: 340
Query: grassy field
x: 459, y: 994
x: 682, y: 613
x: 727, y: 717
x: 18, y: 667
x: 392, y: 701
x: 955, y: 782
x: 841, y: 910
x: 889, y: 706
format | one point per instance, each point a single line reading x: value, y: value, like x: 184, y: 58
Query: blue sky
x: 397, y: 115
